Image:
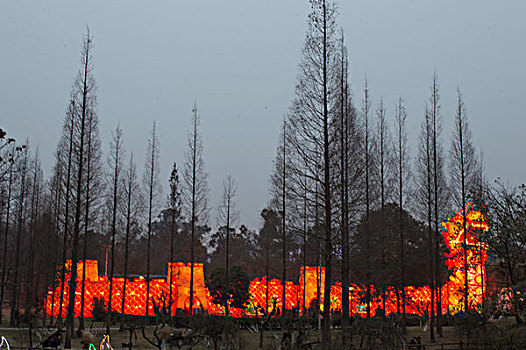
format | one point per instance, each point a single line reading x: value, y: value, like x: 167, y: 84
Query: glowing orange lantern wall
x: 99, y: 286
x: 264, y: 294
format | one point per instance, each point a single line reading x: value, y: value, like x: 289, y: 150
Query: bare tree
x: 21, y: 204
x: 131, y: 209
x: 423, y: 198
x: 66, y: 143
x: 83, y: 93
x: 227, y: 215
x: 463, y: 172
x: 56, y: 191
x: 367, y: 154
x: 279, y: 189
x: 345, y: 135
x: 507, y: 236
x: 268, y: 242
x: 152, y: 189
x: 195, y: 190
x: 440, y: 206
x: 174, y: 206
x: 402, y: 171
x: 10, y: 160
x: 91, y: 195
x: 384, y: 165
x: 8, y: 153
x: 115, y: 162
x: 311, y: 120
x: 384, y: 154
x: 35, y: 204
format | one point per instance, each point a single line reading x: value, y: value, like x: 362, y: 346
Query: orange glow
x: 105, y: 343
x: 263, y: 293
x: 477, y: 256
x: 135, y: 290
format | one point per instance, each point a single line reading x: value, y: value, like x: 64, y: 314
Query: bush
x: 376, y: 332
x: 475, y: 329
x: 220, y: 330
x: 99, y: 311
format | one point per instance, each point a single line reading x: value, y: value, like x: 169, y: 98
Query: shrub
x: 99, y: 311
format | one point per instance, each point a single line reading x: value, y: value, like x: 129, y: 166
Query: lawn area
x: 246, y: 339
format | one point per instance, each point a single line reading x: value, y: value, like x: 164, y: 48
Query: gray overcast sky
x: 238, y: 59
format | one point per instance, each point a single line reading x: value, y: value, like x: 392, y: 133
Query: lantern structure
x: 307, y: 295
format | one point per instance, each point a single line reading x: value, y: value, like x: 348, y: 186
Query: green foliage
x: 236, y: 291
x: 239, y: 286
x: 99, y: 309
x: 217, y: 286
x: 375, y: 256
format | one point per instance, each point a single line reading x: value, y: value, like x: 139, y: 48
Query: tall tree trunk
x: 172, y: 234
x: 194, y: 174
x: 86, y: 221
x: 56, y: 218
x: 267, y: 268
x: 20, y: 228
x: 149, y: 245
x: 401, y: 160
x: 438, y: 280
x: 74, y: 251
x: 66, y: 214
x: 117, y: 150
x: 344, y: 157
x: 227, y: 258
x: 367, y: 201
x: 284, y: 230
x: 36, y: 285
x: 326, y: 332
x: 304, y: 310
x: 130, y: 188
x: 464, y: 210
x: 430, y: 232
x: 32, y: 237
x: 382, y: 189
x: 6, y: 239
x: 152, y: 159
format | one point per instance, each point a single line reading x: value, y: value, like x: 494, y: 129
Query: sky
x: 237, y: 59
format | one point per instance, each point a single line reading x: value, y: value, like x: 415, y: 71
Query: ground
x: 248, y: 340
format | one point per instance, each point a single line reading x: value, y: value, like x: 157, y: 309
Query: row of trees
x: 345, y: 188
x: 28, y: 245
x: 94, y: 204
x: 86, y: 206
x: 88, y: 197
x: 345, y: 177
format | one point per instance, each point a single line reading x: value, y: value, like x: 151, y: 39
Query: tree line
x: 346, y: 191
x: 345, y: 178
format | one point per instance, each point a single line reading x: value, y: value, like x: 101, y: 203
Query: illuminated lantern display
x: 105, y: 343
x: 181, y: 285
x: 266, y: 294
x: 312, y: 279
x: 4, y: 344
x: 135, y: 290
x: 476, y: 255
